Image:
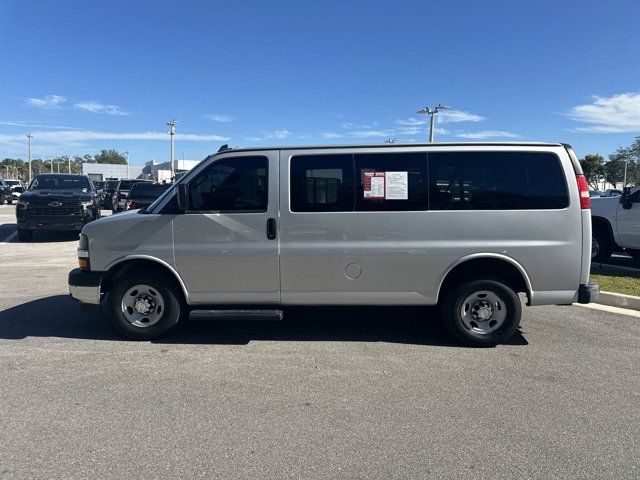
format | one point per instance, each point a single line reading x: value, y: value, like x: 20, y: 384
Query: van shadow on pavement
x: 60, y: 316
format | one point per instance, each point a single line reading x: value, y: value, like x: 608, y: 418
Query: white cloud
x: 372, y: 133
x: 487, y: 134
x: 444, y: 116
x: 349, y: 125
x: 219, y: 118
x: 279, y: 134
x: 27, y: 124
x: 412, y: 122
x: 79, y: 136
x: 619, y: 113
x: 47, y: 102
x: 330, y: 135
x: 96, y: 107
x: 455, y: 116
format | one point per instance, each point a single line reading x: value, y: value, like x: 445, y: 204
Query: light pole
x: 626, y: 162
x: 127, y: 154
x: 172, y: 131
x: 428, y: 111
x: 29, y: 136
x: 69, y: 161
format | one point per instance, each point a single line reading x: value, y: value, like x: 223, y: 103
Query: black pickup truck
x: 56, y: 202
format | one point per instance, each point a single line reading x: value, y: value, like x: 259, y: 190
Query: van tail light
x: 583, y: 189
x: 132, y: 205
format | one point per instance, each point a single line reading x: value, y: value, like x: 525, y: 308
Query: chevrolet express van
x: 247, y: 232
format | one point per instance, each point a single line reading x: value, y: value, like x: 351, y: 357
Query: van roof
x: 394, y: 145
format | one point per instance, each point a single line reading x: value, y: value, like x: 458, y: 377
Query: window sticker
x: 374, y: 185
x: 397, y: 186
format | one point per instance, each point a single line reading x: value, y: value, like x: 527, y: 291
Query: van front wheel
x: 143, y: 307
x: 482, y: 313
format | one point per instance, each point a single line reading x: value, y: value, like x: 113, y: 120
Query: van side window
x: 496, y: 181
x: 391, y: 181
x: 322, y: 183
x: 235, y: 184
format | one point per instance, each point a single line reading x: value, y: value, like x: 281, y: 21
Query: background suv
x: 56, y: 202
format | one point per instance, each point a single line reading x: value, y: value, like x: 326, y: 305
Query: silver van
x: 247, y: 232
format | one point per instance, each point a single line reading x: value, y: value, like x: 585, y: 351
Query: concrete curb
x: 619, y: 300
x: 608, y: 266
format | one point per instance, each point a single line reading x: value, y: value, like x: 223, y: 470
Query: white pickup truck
x: 616, y: 225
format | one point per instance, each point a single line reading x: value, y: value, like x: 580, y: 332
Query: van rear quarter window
x: 322, y: 183
x: 496, y: 181
x: 409, y: 166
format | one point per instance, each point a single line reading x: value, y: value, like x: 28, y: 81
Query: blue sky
x: 83, y: 76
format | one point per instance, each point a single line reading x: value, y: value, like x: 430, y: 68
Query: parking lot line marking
x: 9, y: 238
x: 607, y: 308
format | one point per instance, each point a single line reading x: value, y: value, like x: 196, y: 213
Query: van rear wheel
x: 482, y: 313
x: 143, y: 307
x: 601, y: 245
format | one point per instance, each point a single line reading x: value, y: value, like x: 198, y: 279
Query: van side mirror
x: 182, y: 196
x: 625, y: 198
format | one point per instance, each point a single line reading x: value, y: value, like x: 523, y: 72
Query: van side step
x: 235, y: 315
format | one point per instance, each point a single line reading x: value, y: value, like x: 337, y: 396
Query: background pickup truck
x: 616, y: 225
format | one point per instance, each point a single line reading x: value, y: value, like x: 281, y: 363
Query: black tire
x: 601, y: 244
x: 634, y: 253
x: 25, y: 235
x: 2, y: 200
x: 455, y: 303
x: 10, y: 201
x: 161, y: 286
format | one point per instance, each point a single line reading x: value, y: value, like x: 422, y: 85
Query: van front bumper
x: 85, y: 286
x: 588, y: 293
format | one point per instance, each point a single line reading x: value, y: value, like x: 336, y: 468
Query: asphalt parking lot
x: 335, y: 393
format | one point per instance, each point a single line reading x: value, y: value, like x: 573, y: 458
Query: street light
x: 172, y: 131
x: 29, y: 136
x: 127, y: 154
x: 626, y: 162
x: 428, y: 111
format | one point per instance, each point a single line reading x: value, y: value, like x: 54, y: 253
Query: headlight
x: 83, y: 243
x: 83, y: 252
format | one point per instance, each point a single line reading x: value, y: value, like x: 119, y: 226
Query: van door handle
x: 271, y: 228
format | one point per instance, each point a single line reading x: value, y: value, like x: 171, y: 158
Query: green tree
x: 625, y: 155
x: 614, y: 170
x: 593, y: 167
x: 110, y: 156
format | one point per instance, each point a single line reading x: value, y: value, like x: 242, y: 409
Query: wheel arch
x: 603, y: 223
x: 501, y: 266
x: 120, y: 267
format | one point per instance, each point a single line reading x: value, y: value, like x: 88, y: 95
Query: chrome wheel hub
x: 142, y: 306
x: 483, y: 312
